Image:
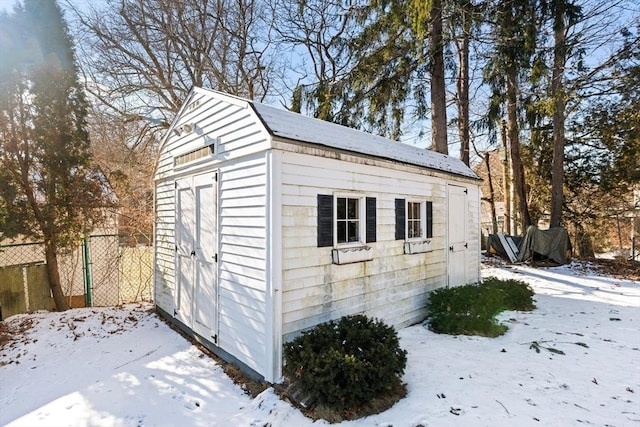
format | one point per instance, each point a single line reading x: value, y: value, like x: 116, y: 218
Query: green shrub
x: 471, y: 309
x: 518, y: 295
x: 344, y: 364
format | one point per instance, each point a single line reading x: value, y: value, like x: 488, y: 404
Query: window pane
x: 353, y: 231
x: 414, y: 229
x: 342, y: 208
x: 342, y: 232
x: 413, y: 210
x: 353, y: 208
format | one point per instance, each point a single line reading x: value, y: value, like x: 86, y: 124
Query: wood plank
x: 512, y: 256
x: 12, y: 297
x: 512, y: 245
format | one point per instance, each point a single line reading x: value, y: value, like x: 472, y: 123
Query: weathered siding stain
x: 393, y: 286
x: 273, y: 279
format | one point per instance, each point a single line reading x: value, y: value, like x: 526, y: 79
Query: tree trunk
x: 506, y: 179
x: 51, y: 257
x: 619, y: 229
x: 492, y: 196
x: 514, y: 141
x: 463, y: 87
x: 583, y: 244
x: 438, y: 94
x: 559, y: 54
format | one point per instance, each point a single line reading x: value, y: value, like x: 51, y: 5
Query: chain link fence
x: 105, y: 270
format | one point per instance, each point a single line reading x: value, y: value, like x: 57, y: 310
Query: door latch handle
x: 451, y: 248
x: 193, y: 253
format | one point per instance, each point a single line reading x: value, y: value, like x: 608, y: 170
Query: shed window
x: 346, y: 220
x: 414, y: 219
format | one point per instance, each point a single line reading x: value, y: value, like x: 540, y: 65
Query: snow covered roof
x: 297, y: 127
x: 289, y: 125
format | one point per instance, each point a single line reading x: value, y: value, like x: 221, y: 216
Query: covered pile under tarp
x: 552, y: 244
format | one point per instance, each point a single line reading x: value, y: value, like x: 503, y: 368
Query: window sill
x: 417, y: 247
x: 352, y: 254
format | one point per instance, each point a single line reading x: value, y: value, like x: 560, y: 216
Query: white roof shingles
x: 289, y: 125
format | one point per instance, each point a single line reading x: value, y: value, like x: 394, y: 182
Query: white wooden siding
x: 164, y: 244
x: 240, y: 161
x: 267, y: 230
x: 473, y: 231
x: 393, y: 286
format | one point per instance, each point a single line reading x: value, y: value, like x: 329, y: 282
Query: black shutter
x: 325, y: 220
x: 429, y: 218
x: 401, y: 219
x: 371, y: 219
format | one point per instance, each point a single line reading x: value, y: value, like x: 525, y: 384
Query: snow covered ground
x: 574, y: 361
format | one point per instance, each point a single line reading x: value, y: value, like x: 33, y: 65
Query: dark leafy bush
x: 518, y: 295
x: 343, y: 364
x: 471, y: 309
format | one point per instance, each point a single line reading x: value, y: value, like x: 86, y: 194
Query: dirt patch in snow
x: 11, y: 334
x: 619, y: 269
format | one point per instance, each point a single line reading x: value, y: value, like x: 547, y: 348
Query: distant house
x: 269, y: 222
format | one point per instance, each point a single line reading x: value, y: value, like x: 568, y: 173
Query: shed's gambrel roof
x: 293, y: 126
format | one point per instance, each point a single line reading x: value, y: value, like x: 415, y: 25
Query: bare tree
x: 127, y: 155
x: 143, y: 56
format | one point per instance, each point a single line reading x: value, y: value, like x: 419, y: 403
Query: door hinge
x: 176, y: 248
x: 175, y: 184
x: 466, y: 191
x: 466, y: 245
x: 215, y: 177
x: 215, y: 257
x: 215, y: 338
x: 175, y: 312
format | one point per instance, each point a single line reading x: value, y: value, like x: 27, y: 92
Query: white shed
x: 269, y: 222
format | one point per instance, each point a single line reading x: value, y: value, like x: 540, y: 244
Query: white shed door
x: 457, y: 235
x: 196, y: 247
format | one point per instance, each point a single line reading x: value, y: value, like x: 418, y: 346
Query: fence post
x: 87, y: 272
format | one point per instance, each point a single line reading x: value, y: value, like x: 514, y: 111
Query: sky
x: 417, y: 132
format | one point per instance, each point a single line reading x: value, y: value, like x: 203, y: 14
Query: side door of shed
x: 457, y: 234
x: 197, y: 254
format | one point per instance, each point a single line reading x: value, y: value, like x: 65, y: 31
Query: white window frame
x: 361, y: 219
x: 423, y: 220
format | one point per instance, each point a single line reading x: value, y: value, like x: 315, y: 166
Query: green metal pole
x: 87, y: 272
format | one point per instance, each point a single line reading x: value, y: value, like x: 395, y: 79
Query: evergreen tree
x: 49, y: 188
x: 427, y: 15
x: 515, y: 35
